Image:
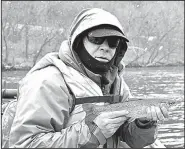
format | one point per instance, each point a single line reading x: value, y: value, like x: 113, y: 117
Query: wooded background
x: 30, y: 29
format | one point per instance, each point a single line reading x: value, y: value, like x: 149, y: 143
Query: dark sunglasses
x: 113, y: 42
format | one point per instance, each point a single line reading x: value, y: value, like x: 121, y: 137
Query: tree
x: 154, y: 29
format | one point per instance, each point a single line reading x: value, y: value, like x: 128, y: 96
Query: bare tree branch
x: 46, y: 41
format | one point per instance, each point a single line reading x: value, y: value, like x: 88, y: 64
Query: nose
x: 104, y: 46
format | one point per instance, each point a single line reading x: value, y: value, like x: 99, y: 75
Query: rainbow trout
x: 135, y: 106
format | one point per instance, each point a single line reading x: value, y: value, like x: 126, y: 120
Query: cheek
x: 91, y: 48
x: 112, y: 52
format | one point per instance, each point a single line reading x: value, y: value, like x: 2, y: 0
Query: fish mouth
x: 102, y: 59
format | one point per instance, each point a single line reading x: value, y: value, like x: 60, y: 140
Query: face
x: 102, y: 49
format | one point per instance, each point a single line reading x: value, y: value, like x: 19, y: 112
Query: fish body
x: 135, y: 106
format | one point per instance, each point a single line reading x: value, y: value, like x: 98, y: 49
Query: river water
x: 160, y: 82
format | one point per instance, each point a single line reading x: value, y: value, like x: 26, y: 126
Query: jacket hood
x: 84, y: 21
x: 90, y: 18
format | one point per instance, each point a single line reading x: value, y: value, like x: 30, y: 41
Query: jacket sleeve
x: 138, y: 135
x: 42, y: 111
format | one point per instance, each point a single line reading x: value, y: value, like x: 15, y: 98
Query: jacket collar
x: 71, y: 59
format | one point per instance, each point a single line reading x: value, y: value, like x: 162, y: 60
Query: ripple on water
x: 173, y: 142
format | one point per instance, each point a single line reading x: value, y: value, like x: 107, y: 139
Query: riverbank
x: 27, y: 68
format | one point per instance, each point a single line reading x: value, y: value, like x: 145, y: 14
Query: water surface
x: 160, y: 82
x: 167, y: 82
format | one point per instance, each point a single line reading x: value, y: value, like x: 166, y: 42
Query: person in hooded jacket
x: 88, y: 64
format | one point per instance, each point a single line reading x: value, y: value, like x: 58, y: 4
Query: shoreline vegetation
x: 19, y: 68
x: 32, y: 29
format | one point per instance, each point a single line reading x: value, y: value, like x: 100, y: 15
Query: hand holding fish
x: 110, y: 117
x: 157, y: 112
x: 110, y: 121
x: 149, y: 108
x: 154, y: 113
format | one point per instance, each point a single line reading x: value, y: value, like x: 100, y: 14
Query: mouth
x: 102, y: 59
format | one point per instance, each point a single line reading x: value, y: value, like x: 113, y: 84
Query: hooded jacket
x: 46, y: 115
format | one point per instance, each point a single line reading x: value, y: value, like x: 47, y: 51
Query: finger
x: 113, y: 126
x: 114, y: 114
x: 118, y: 120
x: 131, y: 119
x: 153, y: 112
x: 164, y: 111
x: 159, y: 114
x: 149, y: 114
x: 165, y: 106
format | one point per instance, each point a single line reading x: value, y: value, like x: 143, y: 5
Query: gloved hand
x: 154, y: 114
x: 109, y: 122
x: 157, y: 113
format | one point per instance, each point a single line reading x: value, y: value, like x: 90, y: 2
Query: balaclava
x: 91, y: 63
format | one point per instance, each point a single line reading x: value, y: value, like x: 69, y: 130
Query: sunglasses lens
x: 95, y: 40
x: 113, y: 42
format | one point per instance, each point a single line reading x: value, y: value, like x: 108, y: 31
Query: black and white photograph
x: 92, y: 74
